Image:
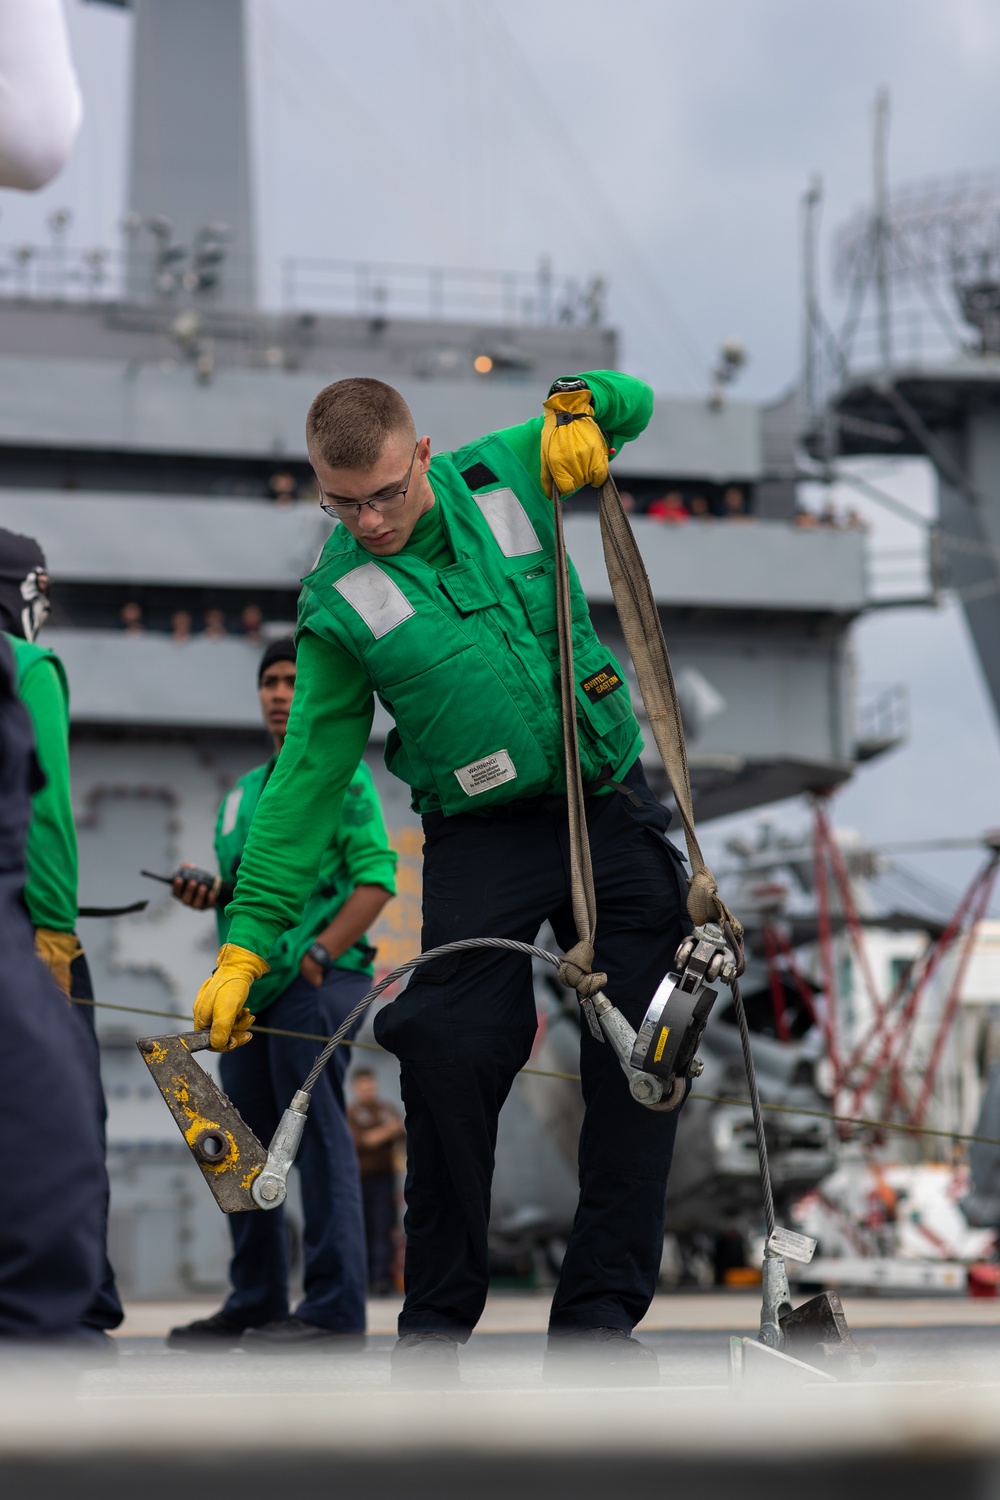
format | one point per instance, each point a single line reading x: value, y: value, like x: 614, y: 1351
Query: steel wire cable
x: 758, y: 1118
x: 865, y: 1122
x: 421, y: 958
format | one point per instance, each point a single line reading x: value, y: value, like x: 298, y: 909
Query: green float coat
x: 51, y: 860
x: 466, y: 658
x: 498, y: 669
x: 357, y: 854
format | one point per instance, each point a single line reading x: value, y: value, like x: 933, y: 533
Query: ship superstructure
x: 151, y: 429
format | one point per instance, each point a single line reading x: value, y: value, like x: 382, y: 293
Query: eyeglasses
x: 349, y: 510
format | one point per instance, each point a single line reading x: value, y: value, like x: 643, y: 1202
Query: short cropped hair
x: 349, y: 422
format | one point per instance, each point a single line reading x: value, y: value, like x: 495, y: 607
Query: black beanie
x: 283, y: 650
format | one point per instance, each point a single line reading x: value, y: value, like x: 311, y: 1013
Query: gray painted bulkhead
x: 246, y: 412
x: 133, y: 539
x: 136, y: 334
x: 959, y: 404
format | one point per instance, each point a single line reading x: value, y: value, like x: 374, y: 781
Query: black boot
x: 599, y: 1356
x: 425, y: 1359
x: 294, y: 1336
x: 206, y: 1335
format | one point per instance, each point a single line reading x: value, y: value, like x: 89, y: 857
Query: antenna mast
x: 882, y: 231
x: 811, y: 203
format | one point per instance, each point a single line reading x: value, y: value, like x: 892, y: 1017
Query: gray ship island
x: 152, y: 438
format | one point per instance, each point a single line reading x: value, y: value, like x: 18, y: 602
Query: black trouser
x: 106, y: 1310
x: 261, y: 1078
x: 52, y: 1222
x: 464, y: 1027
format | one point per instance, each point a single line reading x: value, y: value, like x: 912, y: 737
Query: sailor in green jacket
x: 50, y: 856
x: 318, y: 970
x: 437, y: 592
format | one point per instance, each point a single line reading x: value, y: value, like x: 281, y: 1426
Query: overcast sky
x: 665, y: 144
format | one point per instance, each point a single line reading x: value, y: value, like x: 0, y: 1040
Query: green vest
x: 333, y: 886
x: 27, y: 653
x: 466, y: 658
x: 51, y: 859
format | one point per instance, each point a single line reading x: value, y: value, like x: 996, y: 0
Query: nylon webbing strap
x: 576, y: 968
x: 643, y: 632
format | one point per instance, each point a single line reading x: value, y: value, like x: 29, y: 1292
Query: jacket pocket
x: 536, y: 588
x: 460, y: 724
x: 603, y: 700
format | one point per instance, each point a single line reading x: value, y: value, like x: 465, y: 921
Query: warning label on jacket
x: 482, y: 775
x: 601, y: 683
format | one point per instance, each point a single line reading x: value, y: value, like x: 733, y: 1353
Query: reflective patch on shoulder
x: 231, y: 810
x: 483, y: 775
x: 508, y: 520
x: 380, y: 602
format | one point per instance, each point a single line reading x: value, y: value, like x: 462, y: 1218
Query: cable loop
x: 421, y: 958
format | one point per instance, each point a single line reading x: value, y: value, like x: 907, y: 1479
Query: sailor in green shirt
x: 437, y: 592
x: 318, y: 970
x: 51, y: 863
x: 50, y: 856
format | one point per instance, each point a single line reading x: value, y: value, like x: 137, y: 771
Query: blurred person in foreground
x: 40, y: 103
x: 54, y: 1274
x: 376, y: 1128
x: 52, y: 1229
x: 318, y: 972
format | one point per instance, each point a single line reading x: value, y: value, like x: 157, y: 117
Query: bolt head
x: 269, y: 1191
x: 646, y: 1090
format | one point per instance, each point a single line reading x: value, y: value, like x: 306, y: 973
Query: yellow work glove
x: 221, y: 1002
x: 574, y: 452
x: 57, y: 951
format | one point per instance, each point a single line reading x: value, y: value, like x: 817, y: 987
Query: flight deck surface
x: 149, y: 1420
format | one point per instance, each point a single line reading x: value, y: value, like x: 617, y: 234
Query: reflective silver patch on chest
x: 231, y: 810
x: 380, y: 602
x: 508, y: 520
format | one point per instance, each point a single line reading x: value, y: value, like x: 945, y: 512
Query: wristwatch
x: 320, y: 956
x: 559, y: 386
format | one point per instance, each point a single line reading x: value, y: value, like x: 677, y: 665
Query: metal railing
x: 882, y: 716
x: 920, y: 334
x: 62, y: 273
x: 195, y: 276
x: 377, y: 290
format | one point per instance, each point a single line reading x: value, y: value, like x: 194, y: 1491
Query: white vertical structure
x: 189, y: 167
